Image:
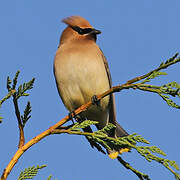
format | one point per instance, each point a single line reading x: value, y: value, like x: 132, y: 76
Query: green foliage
x: 8, y: 83
x: 139, y: 174
x: 78, y: 126
x: 15, y: 80
x: 106, y: 130
x: 10, y: 91
x: 153, y: 75
x: 172, y: 88
x: 26, y: 115
x: 21, y: 90
x: 133, y: 138
x: 6, y: 97
x: 0, y: 119
x: 30, y: 173
x: 84, y: 124
x: 170, y: 61
x: 49, y: 178
x: 101, y: 139
x: 150, y: 153
x: 169, y: 101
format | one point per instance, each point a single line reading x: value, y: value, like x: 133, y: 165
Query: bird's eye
x: 77, y: 29
x: 86, y: 30
x: 82, y: 31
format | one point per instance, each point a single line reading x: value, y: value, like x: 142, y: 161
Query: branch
x: 18, y: 115
x: 148, y: 152
x: 53, y: 129
x: 168, y: 63
x: 10, y: 93
x: 33, y: 141
x: 16, y: 107
x: 140, y: 175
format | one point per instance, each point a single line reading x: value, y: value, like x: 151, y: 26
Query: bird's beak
x: 95, y: 31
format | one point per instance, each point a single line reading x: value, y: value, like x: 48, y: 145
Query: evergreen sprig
x: 153, y: 75
x: 0, y: 119
x: 23, y: 88
x: 172, y: 88
x: 11, y: 91
x: 101, y: 138
x: 136, y: 138
x: 169, y: 101
x: 15, y: 80
x: 164, y: 91
x: 84, y: 124
x: 49, y: 178
x: 30, y: 173
x: 170, y: 61
x: 8, y: 84
x: 107, y: 129
x: 109, y: 143
x: 26, y: 115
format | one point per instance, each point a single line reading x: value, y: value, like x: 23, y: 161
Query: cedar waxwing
x: 81, y: 71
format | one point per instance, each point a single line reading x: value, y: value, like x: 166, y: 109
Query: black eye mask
x: 82, y: 30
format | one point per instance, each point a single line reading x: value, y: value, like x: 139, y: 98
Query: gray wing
x: 119, y: 132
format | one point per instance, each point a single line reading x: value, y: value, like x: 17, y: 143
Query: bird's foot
x: 95, y: 100
x: 72, y: 116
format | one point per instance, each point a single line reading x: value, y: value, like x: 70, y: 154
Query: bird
x: 81, y: 71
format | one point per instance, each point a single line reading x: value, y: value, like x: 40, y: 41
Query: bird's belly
x: 78, y: 80
x: 77, y: 95
x: 81, y: 89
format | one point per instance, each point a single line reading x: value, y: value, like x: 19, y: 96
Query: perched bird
x: 81, y: 71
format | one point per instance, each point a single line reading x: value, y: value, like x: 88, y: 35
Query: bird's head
x: 78, y: 28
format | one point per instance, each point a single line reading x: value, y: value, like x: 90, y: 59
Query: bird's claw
x: 72, y: 115
x: 95, y: 100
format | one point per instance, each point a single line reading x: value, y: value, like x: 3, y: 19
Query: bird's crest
x: 77, y: 21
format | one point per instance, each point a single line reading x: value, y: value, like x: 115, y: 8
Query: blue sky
x: 136, y: 37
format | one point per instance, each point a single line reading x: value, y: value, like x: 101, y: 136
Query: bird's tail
x: 119, y: 131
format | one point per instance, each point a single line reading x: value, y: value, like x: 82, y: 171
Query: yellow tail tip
x: 124, y: 150
x: 113, y: 155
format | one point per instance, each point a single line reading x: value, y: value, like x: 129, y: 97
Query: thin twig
x: 163, y: 66
x: 30, y: 143
x: 125, y: 164
x: 18, y: 115
x: 7, y: 96
x: 140, y: 175
x: 177, y: 176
